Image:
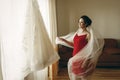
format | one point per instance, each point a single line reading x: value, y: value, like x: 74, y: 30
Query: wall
x: 104, y: 13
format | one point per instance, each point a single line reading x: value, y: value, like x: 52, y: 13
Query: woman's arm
x: 68, y: 42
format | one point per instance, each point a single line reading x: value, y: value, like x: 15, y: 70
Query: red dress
x: 79, y: 43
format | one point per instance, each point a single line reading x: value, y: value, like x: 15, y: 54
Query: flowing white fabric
x: 36, y: 40
x: 89, y: 54
x: 25, y: 45
x: 40, y: 50
x: 68, y: 37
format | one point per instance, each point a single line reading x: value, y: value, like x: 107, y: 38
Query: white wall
x: 105, y: 15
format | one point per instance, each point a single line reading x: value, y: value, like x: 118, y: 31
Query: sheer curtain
x: 47, y: 8
x: 18, y: 42
x: 53, y: 33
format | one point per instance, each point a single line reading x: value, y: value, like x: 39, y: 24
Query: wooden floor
x: 99, y: 74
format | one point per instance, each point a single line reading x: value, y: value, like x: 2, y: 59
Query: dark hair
x: 87, y: 20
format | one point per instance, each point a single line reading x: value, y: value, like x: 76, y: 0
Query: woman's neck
x: 84, y: 29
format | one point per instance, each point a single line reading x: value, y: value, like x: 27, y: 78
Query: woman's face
x: 81, y: 23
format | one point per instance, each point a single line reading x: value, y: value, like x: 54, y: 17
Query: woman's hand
x: 62, y: 39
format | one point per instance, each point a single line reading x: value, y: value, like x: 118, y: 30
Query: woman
x: 87, y: 49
